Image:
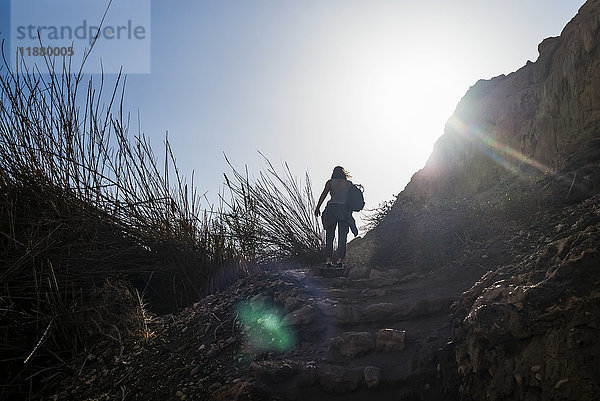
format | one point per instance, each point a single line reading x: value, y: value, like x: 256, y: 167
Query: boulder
x: 372, y: 377
x: 299, y: 317
x: 390, y: 340
x: 352, y: 344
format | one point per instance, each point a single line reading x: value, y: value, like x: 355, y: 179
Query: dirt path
x: 363, y: 300
x: 297, y: 334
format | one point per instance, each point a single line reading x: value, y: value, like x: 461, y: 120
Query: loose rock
x: 352, y: 344
x: 372, y: 377
x: 302, y: 316
x: 390, y: 340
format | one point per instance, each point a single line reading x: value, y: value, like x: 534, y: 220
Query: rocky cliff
x: 515, y: 144
x: 540, y: 120
x: 512, y: 187
x: 529, y: 330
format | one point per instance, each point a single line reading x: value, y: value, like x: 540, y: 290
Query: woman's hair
x: 339, y: 172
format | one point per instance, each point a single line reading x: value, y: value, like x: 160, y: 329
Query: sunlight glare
x: 405, y: 102
x: 509, y: 158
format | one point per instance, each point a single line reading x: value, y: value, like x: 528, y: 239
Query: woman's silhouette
x: 336, y: 214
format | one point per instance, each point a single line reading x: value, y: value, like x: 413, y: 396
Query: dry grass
x: 374, y: 217
x: 82, y: 201
x: 272, y: 216
x: 93, y: 224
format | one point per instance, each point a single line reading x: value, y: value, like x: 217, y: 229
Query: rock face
x: 515, y: 143
x: 531, y: 330
x: 540, y: 119
x: 390, y: 340
x: 517, y: 148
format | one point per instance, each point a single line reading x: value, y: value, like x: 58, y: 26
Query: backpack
x: 355, y: 200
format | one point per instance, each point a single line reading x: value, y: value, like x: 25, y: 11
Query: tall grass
x: 83, y: 202
x: 93, y: 224
x: 272, y: 216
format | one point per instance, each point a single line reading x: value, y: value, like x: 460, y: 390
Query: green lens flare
x: 263, y: 329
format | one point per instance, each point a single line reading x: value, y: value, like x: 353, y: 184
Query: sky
x: 368, y: 85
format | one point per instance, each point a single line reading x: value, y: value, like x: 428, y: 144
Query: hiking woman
x: 336, y: 214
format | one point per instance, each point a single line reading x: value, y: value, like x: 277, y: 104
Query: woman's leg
x: 329, y: 234
x: 343, y: 228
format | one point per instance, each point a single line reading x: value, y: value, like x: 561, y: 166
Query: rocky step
x: 363, y: 276
x: 343, y: 314
x: 365, y: 272
x: 316, y: 312
x: 350, y: 306
x: 330, y: 378
x: 357, y: 361
x: 351, y: 345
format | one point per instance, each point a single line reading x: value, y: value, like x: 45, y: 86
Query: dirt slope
x: 210, y: 351
x: 234, y: 345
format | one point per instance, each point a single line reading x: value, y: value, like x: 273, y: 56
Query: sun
x: 405, y: 100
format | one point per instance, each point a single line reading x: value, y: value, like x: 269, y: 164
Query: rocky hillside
x: 530, y: 330
x: 512, y: 186
x: 540, y: 120
x: 515, y: 144
x: 525, y: 330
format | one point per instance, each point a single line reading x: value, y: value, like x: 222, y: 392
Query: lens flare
x: 263, y: 329
x: 504, y: 155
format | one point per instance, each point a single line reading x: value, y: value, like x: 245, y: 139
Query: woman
x: 336, y: 214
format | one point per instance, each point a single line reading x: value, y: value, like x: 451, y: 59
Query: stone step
x: 351, y: 345
x: 329, y: 375
x: 363, y: 277
x: 343, y: 314
x: 331, y: 378
x: 352, y: 310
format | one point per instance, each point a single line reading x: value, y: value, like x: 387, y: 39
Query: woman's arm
x: 322, y: 198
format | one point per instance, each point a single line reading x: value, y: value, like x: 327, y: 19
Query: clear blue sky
x: 365, y: 84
